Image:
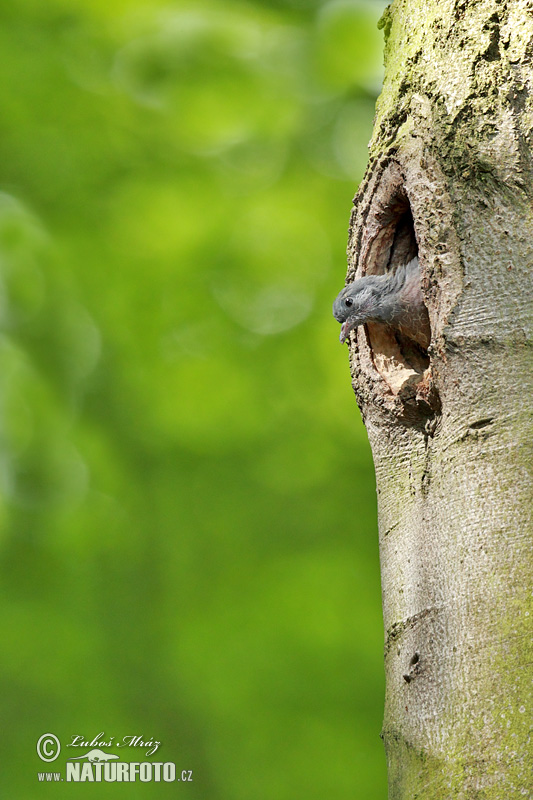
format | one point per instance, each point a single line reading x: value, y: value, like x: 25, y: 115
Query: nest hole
x: 401, y: 361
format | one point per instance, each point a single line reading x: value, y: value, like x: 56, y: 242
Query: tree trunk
x: 450, y: 178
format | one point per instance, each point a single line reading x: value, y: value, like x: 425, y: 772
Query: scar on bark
x: 414, y: 668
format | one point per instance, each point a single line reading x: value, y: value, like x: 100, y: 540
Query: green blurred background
x: 189, y: 546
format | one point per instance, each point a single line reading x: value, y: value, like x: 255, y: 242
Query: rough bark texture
x: 451, y: 177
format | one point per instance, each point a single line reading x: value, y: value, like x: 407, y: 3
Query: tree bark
x: 451, y: 178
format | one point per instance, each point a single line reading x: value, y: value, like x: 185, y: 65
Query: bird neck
x: 388, y: 306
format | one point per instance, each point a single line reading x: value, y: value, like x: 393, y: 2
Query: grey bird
x: 394, y: 299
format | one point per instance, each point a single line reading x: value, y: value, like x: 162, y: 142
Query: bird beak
x: 346, y: 327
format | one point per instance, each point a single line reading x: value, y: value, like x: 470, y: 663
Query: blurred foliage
x: 188, y: 530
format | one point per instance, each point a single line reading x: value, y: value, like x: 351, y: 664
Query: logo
x: 97, y: 765
x: 95, y: 756
x: 48, y: 747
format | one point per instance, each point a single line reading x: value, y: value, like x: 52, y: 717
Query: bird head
x: 355, y: 305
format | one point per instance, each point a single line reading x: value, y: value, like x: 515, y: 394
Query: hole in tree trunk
x: 401, y: 360
x: 387, y: 231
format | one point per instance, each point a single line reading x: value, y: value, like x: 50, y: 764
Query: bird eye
x: 348, y: 301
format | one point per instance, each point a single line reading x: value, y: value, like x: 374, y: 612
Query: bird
x: 394, y: 299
